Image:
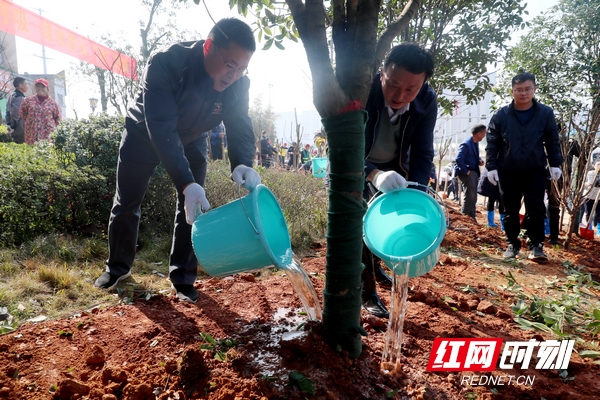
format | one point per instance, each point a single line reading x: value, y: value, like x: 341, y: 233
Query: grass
x: 54, y: 275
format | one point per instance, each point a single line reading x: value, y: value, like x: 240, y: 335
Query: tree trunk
x: 355, y: 38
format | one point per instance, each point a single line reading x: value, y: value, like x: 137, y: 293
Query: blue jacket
x: 416, y: 139
x: 177, y: 105
x: 467, y: 159
x: 512, y: 146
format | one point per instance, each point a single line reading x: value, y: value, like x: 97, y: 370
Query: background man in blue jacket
x: 467, y: 168
x: 522, y: 139
x: 402, y: 112
x: 186, y: 90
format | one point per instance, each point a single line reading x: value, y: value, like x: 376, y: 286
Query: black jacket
x: 177, y: 104
x: 416, y: 138
x: 512, y: 146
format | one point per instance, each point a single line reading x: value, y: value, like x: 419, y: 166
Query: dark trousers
x: 491, y: 203
x: 136, y: 165
x: 469, y: 183
x: 589, y: 204
x: 216, y: 152
x: 452, y: 188
x: 554, y: 207
x: 18, y: 134
x: 529, y: 185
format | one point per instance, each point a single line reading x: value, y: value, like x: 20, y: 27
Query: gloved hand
x: 194, y: 195
x: 493, y: 177
x: 388, y: 181
x: 555, y: 173
x: 246, y: 177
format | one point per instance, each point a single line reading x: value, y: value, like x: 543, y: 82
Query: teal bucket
x: 319, y: 166
x: 405, y: 228
x: 244, y: 235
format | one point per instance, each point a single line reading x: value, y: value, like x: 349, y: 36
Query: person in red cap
x: 40, y: 113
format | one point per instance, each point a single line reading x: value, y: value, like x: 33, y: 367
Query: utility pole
x: 43, y: 51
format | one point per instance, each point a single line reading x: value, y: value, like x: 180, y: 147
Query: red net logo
x: 464, y: 354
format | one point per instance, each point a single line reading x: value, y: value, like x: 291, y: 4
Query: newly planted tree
x: 361, y: 31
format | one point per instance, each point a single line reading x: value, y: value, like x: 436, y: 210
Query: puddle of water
x: 390, y: 361
x: 303, y: 287
x: 288, y: 316
x: 267, y: 358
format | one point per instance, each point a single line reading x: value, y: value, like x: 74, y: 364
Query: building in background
x: 464, y: 116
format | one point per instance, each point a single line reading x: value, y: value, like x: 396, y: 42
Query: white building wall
x: 458, y: 126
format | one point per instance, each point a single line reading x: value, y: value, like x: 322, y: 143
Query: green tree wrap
x: 343, y: 285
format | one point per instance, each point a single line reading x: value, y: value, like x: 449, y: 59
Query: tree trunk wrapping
x: 343, y: 285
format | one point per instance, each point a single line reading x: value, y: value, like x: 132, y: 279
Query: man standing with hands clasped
x: 522, y: 138
x: 186, y: 90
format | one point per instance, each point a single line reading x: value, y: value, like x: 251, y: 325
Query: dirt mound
x: 246, y: 338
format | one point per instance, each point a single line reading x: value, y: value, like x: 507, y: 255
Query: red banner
x: 21, y: 22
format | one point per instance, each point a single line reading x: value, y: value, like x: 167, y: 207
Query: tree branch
x: 393, y: 30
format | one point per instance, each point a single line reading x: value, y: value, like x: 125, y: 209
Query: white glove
x: 246, y: 177
x: 388, y: 181
x: 194, y: 196
x: 555, y: 173
x: 493, y: 177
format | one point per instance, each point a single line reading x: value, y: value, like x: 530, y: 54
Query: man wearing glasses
x: 522, y: 138
x: 186, y: 90
x: 398, y: 141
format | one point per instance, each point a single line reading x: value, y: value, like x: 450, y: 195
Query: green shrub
x: 4, y: 136
x: 68, y: 185
x: 39, y: 196
x: 302, y: 198
x: 95, y: 143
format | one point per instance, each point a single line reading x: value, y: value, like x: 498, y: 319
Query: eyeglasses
x: 232, y: 68
x: 521, y: 91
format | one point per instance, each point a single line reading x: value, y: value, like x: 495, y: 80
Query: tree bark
x: 354, y: 32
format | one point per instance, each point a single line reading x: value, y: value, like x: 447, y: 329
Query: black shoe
x: 536, y: 254
x: 553, y: 241
x: 108, y: 281
x: 383, y: 279
x: 374, y: 306
x: 186, y: 293
x: 511, y: 251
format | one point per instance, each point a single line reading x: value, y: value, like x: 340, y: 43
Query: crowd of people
x: 523, y: 169
x: 269, y: 155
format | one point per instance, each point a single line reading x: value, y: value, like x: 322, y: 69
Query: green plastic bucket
x: 405, y: 228
x: 319, y: 166
x: 244, y: 235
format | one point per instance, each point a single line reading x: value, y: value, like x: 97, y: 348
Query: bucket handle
x: 438, y: 197
x: 246, y: 211
x: 430, y: 190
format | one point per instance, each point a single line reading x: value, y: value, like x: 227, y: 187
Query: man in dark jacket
x: 522, y: 138
x: 467, y: 168
x: 402, y: 112
x: 186, y: 90
x: 267, y: 151
x: 13, y: 106
x: 218, y: 142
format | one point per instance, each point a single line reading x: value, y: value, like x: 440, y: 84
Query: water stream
x: 390, y: 361
x: 303, y: 287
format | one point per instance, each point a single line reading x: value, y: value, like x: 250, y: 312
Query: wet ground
x: 262, y: 346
